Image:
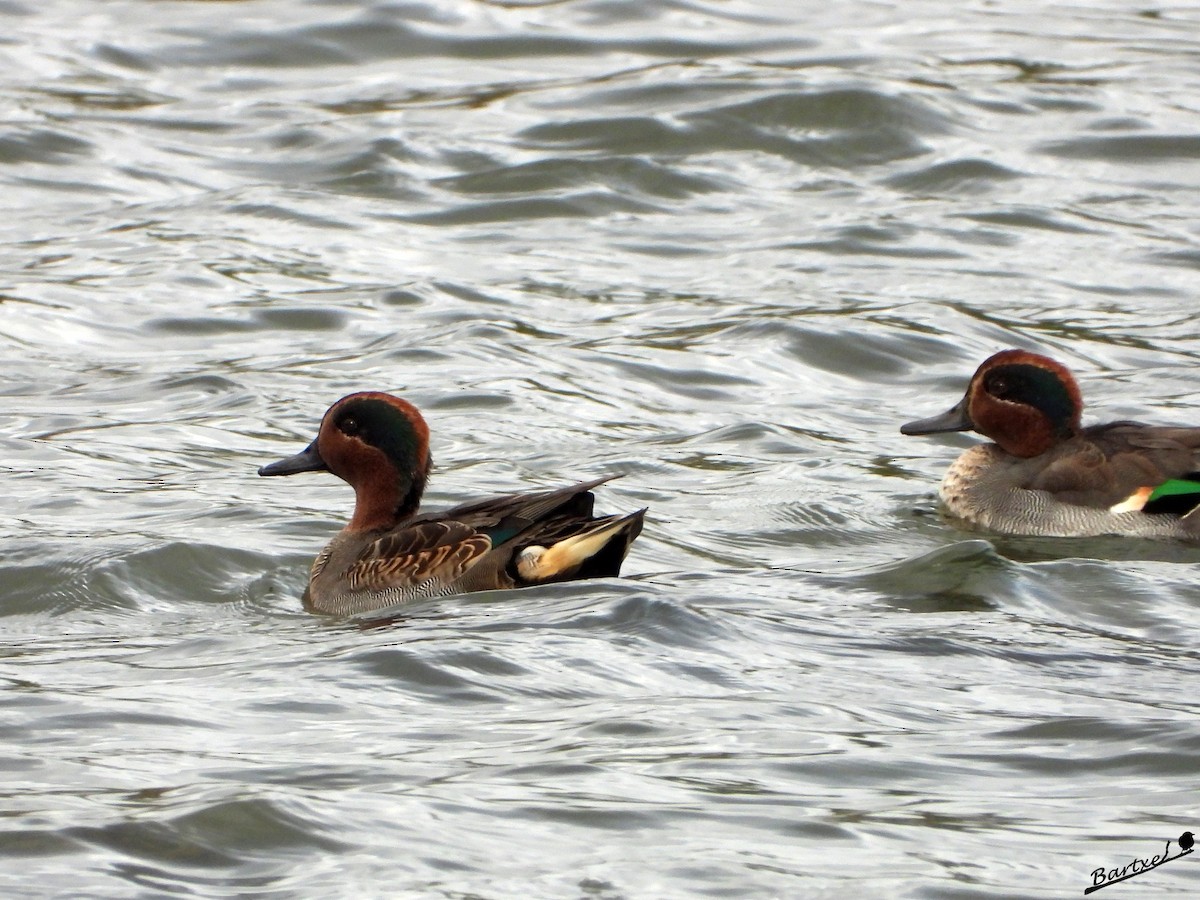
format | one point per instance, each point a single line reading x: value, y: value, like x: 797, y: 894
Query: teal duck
x: 1045, y: 474
x: 389, y: 553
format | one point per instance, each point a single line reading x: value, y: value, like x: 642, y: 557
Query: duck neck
x: 385, y: 498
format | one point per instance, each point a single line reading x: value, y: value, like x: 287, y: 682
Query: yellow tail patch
x: 542, y: 563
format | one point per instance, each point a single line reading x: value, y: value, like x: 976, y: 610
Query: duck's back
x: 1106, y: 464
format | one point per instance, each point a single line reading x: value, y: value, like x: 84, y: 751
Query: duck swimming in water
x: 389, y: 553
x: 1045, y: 474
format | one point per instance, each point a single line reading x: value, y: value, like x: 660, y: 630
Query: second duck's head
x: 1023, y: 401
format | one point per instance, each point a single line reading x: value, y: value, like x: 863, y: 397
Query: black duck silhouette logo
x: 1102, y: 878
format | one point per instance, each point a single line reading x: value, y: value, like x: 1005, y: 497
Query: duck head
x: 1023, y: 401
x: 379, y: 445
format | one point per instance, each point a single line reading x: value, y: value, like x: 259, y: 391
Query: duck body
x: 1046, y: 475
x: 389, y: 553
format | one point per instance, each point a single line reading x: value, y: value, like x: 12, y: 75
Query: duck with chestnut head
x: 1046, y: 474
x: 390, y: 553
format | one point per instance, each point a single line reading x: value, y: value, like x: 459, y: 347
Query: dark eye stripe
x: 386, y: 428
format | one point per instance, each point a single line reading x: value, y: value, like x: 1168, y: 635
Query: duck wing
x: 1123, y: 464
x: 503, y: 518
x: 470, y: 547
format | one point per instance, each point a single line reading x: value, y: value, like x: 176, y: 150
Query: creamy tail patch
x: 537, y: 563
x: 1133, y: 503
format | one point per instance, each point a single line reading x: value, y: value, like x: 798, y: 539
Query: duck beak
x: 954, y: 419
x: 307, y: 460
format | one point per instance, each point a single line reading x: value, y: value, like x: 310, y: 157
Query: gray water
x: 724, y: 248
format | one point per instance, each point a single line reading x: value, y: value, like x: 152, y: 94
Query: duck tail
x: 1191, y: 521
x: 595, y: 552
x: 1178, y: 496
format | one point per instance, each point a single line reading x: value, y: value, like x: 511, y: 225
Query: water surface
x: 722, y: 248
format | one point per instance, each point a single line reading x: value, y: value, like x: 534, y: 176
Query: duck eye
x: 998, y: 386
x: 349, y: 426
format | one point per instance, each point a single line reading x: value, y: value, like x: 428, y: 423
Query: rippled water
x: 723, y: 248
